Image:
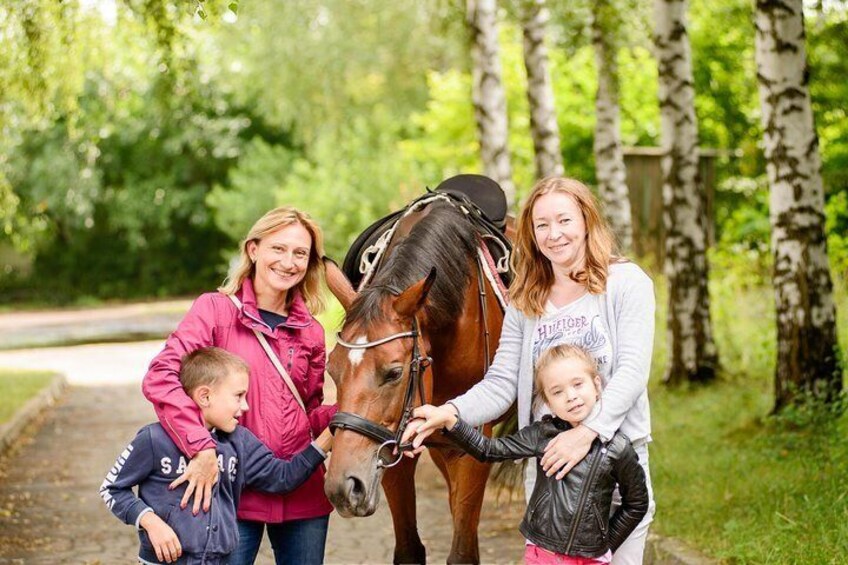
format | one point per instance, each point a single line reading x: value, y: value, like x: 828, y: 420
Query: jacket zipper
x: 291, y: 359
x: 584, y: 494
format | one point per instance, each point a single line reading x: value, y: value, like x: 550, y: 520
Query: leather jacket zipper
x: 584, y: 494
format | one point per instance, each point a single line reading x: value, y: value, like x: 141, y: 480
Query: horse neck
x: 458, y: 350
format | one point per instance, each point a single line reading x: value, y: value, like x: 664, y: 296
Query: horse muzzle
x: 352, y: 494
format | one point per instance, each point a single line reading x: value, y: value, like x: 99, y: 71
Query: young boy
x: 217, y: 381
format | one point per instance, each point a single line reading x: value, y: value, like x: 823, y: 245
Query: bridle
x: 391, y: 450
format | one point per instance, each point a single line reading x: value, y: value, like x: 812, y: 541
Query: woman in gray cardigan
x: 571, y: 287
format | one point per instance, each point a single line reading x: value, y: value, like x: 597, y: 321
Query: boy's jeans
x: 298, y: 541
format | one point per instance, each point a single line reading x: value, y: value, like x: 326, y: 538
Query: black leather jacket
x: 572, y: 515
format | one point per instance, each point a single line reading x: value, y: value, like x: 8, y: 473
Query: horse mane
x: 443, y: 239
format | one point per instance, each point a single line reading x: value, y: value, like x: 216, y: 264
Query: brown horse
x: 374, y: 368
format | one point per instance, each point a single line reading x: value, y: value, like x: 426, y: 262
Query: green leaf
x: 233, y: 6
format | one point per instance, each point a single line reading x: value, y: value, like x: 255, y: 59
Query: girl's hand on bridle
x: 410, y: 432
x: 201, y: 475
x: 567, y: 450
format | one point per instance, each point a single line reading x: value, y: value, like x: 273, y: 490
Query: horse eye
x: 393, y: 374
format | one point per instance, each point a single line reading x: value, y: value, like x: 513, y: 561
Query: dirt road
x: 50, y: 511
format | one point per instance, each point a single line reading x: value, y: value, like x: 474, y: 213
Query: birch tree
x: 807, y: 349
x: 609, y: 157
x: 488, y: 94
x: 540, y: 92
x: 692, y: 353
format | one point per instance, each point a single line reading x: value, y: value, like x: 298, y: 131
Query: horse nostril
x: 356, y: 491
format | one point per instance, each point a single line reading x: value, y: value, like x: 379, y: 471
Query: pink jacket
x: 274, y: 416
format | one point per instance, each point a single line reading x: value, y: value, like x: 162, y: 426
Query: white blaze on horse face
x: 355, y: 355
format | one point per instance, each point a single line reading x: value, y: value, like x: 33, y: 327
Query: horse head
x: 377, y: 368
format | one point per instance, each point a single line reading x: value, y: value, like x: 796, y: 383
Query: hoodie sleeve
x: 319, y: 414
x: 263, y: 471
x: 523, y: 443
x: 634, y: 495
x: 177, y: 412
x: 133, y: 465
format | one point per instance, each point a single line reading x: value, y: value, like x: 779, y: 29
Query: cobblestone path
x: 50, y: 511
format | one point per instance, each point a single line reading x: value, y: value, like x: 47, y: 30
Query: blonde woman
x: 277, y: 287
x: 571, y: 287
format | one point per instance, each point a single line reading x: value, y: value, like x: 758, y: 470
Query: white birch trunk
x: 488, y: 95
x: 540, y: 92
x: 609, y: 157
x: 807, y: 358
x: 692, y: 354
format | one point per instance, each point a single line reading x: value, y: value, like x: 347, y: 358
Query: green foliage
x: 344, y: 188
x: 446, y: 141
x: 261, y: 171
x: 827, y: 52
x: 836, y: 212
x: 115, y: 206
x: 725, y: 76
x: 40, y: 78
x: 127, y: 143
x: 742, y: 254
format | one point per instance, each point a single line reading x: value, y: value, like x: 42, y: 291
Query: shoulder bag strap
x: 273, y: 357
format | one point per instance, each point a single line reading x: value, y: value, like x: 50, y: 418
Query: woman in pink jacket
x: 277, y: 284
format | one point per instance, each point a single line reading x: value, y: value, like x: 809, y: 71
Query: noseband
x: 391, y: 450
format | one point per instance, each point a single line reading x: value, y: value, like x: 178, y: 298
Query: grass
x: 16, y: 387
x: 730, y: 479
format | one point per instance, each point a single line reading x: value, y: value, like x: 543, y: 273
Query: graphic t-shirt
x: 577, y: 323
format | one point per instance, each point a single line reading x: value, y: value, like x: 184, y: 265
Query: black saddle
x: 482, y: 197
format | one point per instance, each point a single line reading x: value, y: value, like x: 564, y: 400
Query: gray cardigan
x: 627, y: 309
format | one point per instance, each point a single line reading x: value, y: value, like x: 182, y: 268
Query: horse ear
x: 413, y: 298
x: 338, y: 283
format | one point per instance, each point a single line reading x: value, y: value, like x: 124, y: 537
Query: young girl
x: 567, y: 521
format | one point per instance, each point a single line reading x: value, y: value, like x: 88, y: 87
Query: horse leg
x: 399, y: 486
x: 466, y: 486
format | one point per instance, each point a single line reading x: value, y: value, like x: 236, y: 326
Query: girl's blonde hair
x: 534, y: 275
x: 272, y: 221
x: 556, y: 353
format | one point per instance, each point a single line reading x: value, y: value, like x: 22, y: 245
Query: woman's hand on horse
x: 427, y: 420
x: 567, y: 450
x: 325, y: 440
x: 201, y: 474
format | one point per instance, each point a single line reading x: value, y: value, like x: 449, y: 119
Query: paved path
x: 50, y: 511
x: 125, y: 322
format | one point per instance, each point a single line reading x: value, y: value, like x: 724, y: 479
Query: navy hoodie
x: 152, y: 461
